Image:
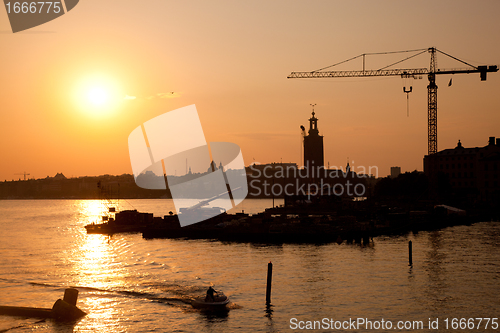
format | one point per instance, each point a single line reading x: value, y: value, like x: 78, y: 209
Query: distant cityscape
x: 459, y: 175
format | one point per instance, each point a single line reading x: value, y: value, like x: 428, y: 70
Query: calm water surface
x: 128, y: 284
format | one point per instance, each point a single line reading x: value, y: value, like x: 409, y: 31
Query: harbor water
x: 129, y: 284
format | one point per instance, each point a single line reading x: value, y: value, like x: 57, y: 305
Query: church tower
x: 313, y: 145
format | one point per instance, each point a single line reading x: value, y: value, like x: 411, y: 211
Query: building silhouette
x: 313, y: 146
x: 474, y: 172
x: 395, y: 171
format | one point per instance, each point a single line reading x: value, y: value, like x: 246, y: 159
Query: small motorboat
x: 219, y: 303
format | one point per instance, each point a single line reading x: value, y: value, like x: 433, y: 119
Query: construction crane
x: 431, y: 73
x: 24, y: 173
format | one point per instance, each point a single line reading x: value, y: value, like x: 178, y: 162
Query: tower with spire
x: 313, y: 145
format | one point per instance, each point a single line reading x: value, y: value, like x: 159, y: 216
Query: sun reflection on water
x: 91, y: 211
x: 99, y: 265
x: 99, y: 271
x: 103, y: 315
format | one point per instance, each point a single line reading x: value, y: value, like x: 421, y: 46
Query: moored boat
x: 124, y: 221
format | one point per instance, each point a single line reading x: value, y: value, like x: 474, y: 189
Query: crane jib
x: 392, y: 72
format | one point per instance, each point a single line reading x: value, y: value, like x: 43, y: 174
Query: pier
x: 293, y: 224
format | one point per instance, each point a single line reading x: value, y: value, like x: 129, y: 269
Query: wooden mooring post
x: 269, y: 282
x: 410, y: 254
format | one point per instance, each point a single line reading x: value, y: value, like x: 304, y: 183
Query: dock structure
x: 316, y: 222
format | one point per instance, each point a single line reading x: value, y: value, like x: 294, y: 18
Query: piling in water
x: 410, y: 254
x: 269, y: 282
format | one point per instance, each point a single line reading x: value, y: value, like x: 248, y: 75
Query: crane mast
x: 431, y: 73
x: 24, y: 173
x: 432, y: 108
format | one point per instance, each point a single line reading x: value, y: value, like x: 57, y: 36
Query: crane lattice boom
x: 388, y: 72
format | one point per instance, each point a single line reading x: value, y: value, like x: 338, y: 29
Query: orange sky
x: 231, y: 59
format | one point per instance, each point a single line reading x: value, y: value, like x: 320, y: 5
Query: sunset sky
x: 73, y: 89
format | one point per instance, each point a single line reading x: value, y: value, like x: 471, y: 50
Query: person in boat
x: 210, y: 294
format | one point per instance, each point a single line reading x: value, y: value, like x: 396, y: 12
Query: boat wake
x: 171, y: 294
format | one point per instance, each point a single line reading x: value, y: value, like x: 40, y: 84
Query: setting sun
x: 97, y: 95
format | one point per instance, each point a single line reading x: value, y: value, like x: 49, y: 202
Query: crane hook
x: 407, y: 100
